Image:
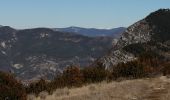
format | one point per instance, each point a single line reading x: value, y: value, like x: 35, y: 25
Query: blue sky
x: 83, y: 13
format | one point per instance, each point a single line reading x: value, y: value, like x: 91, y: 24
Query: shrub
x: 94, y: 74
x: 37, y: 87
x: 72, y: 76
x: 132, y: 69
x: 166, y: 69
x: 10, y: 88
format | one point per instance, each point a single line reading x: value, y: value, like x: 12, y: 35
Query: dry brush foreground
x: 139, y: 89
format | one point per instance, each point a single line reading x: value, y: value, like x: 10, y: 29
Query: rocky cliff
x: 149, y: 34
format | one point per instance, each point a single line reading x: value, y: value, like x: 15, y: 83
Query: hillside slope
x: 151, y: 34
x: 140, y: 89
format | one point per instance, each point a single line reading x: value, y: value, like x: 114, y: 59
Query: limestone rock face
x: 152, y: 32
x: 139, y: 32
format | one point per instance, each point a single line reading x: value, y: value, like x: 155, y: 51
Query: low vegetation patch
x: 10, y: 88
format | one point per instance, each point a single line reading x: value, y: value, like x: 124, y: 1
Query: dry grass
x: 140, y: 89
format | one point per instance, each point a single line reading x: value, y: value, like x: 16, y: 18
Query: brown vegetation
x: 138, y: 89
x: 10, y: 88
x: 148, y: 65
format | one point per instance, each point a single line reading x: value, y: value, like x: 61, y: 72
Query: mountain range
x: 43, y: 52
x: 93, y: 32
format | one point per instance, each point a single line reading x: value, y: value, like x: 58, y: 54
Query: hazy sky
x: 83, y: 13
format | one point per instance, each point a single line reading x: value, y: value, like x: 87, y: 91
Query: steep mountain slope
x: 151, y: 34
x: 42, y: 52
x: 92, y: 32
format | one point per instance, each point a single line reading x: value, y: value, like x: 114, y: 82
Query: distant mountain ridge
x: 93, y: 32
x: 42, y: 52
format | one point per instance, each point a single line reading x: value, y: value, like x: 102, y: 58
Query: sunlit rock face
x: 139, y: 32
x: 152, y: 33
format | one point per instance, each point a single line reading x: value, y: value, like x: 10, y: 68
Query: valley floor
x: 139, y: 89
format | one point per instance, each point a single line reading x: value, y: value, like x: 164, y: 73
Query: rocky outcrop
x: 150, y: 31
x: 139, y: 32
